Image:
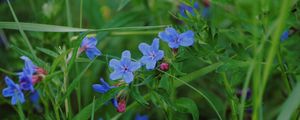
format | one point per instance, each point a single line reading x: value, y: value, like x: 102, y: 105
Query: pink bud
x: 164, y: 66
x: 121, y: 106
x: 40, y: 70
x: 36, y: 79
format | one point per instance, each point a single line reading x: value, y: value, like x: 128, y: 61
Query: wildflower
x: 89, y: 46
x: 183, y: 8
x: 13, y: 90
x: 141, y: 117
x: 29, y: 67
x: 164, y: 66
x: 102, y: 88
x: 121, y: 106
x: 25, y: 77
x: 124, y: 68
x: 175, y: 39
x: 284, y: 35
x: 105, y: 87
x: 152, y: 54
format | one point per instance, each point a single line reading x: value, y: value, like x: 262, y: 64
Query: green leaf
x: 137, y: 95
x: 196, y: 74
x: 39, y: 27
x: 47, y: 51
x: 122, y: 4
x: 76, y: 81
x: 291, y: 104
x: 187, y: 105
x: 85, y: 113
x: 55, y: 28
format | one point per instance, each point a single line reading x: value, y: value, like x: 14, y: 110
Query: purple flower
x: 141, y: 117
x: 124, y: 68
x: 102, y: 88
x: 34, y: 97
x: 13, y: 90
x: 25, y: 77
x: 89, y: 46
x: 152, y: 54
x: 175, y: 39
x: 183, y: 8
x: 284, y: 35
x: 114, y: 101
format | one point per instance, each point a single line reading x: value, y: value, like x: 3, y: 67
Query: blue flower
x: 152, y: 54
x: 102, y: 88
x: 186, y: 8
x: 284, y: 35
x: 141, y: 117
x: 29, y: 67
x: 89, y: 46
x: 25, y: 77
x: 124, y: 68
x: 175, y: 39
x: 105, y: 87
x: 13, y: 90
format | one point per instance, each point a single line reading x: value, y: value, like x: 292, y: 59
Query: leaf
x: 164, y: 83
x: 55, y: 28
x: 291, y: 104
x: 198, y: 73
x: 187, y: 105
x: 137, y: 95
x: 39, y: 27
x: 47, y: 51
x: 122, y: 4
x: 85, y: 113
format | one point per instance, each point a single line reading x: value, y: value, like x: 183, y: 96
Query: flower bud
x: 164, y: 66
x: 121, y: 106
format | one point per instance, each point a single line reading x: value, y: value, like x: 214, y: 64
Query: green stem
x: 69, y: 18
x: 20, y: 111
x: 230, y: 92
x: 271, y: 54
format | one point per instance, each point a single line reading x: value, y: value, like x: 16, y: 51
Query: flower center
x: 152, y: 55
x: 125, y: 68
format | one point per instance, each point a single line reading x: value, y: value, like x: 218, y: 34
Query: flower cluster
x: 124, y: 68
x: 29, y: 76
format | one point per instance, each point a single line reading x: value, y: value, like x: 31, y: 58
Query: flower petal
x: 169, y: 35
x: 84, y: 42
x: 144, y: 48
x: 115, y: 64
x: 159, y: 55
x: 173, y: 45
x: 29, y: 67
x: 9, y: 82
x: 151, y: 65
x: 92, y: 53
x: 187, y: 38
x: 104, y: 83
x: 115, y: 75
x: 34, y: 97
x: 155, y: 44
x: 134, y: 66
x: 126, y: 53
x: 14, y: 100
x: 128, y: 77
x: 145, y: 59
x: 100, y: 88
x: 114, y: 102
x: 6, y: 92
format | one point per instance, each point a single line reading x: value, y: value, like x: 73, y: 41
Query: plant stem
x: 20, y: 111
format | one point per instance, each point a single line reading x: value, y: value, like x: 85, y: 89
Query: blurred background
x: 229, y: 33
